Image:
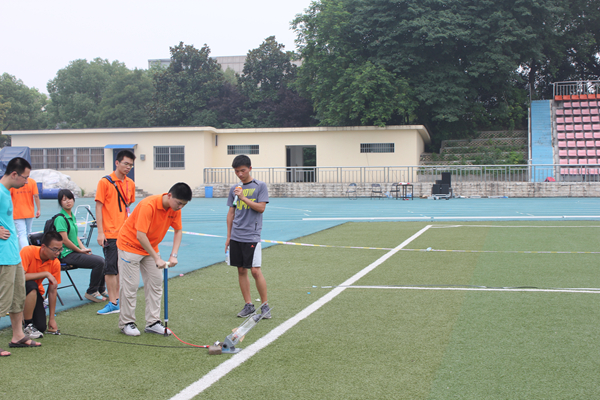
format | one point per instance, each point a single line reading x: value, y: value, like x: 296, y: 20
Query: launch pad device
x: 236, y: 336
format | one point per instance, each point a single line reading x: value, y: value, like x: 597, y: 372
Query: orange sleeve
x: 101, y: 190
x: 55, y: 270
x: 26, y: 255
x: 176, y: 224
x: 35, y: 188
x: 131, y: 183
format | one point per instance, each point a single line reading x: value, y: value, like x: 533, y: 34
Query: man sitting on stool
x: 39, y: 263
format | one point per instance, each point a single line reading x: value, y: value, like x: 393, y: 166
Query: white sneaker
x: 158, y: 328
x: 33, y: 332
x: 131, y: 330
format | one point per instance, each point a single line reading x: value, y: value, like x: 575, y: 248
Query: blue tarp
x: 8, y: 153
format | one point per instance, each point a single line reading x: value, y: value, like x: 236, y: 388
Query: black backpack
x: 49, y: 226
x: 36, y: 238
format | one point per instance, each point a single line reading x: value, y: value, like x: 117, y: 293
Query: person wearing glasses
x: 39, y: 263
x: 114, y: 194
x: 12, y: 277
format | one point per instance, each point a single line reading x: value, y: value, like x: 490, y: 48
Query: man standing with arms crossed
x: 247, y: 203
x: 138, y: 252
x: 12, y: 276
x: 112, y: 209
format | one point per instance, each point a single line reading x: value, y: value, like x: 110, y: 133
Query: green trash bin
x: 208, y: 192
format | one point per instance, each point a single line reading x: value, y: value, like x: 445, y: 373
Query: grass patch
x: 365, y: 343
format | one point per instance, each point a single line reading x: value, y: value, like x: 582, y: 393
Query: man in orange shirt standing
x: 39, y: 263
x: 138, y: 252
x: 113, y: 198
x: 23, y: 211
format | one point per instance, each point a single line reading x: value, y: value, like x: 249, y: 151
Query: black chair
x: 351, y: 192
x: 376, y: 191
x: 395, y: 190
x: 36, y: 240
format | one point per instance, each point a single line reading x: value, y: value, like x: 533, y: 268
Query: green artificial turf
x: 365, y: 343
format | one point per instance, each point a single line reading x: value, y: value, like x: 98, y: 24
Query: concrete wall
x: 509, y: 189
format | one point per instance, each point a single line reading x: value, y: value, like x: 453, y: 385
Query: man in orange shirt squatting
x: 138, y: 252
x: 23, y: 211
x: 39, y: 263
x: 112, y: 209
x: 12, y: 277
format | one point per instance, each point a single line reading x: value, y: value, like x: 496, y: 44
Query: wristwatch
x: 174, y: 255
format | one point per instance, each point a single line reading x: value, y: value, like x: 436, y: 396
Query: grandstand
x: 576, y: 129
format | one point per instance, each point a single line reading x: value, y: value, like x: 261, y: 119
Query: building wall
x: 207, y: 147
x: 336, y: 147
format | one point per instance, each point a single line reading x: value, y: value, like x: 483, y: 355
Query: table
x: 403, y: 190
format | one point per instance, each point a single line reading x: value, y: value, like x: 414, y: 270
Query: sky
x: 40, y: 37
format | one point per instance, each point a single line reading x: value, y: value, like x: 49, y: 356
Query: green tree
x: 456, y: 65
x: 184, y: 89
x: 266, y: 83
x: 126, y: 99
x: 26, y: 109
x: 77, y: 91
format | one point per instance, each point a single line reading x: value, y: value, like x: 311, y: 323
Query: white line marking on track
x: 236, y: 360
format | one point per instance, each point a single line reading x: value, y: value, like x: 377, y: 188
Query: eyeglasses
x: 56, y: 250
x: 127, y: 164
x: 25, y: 177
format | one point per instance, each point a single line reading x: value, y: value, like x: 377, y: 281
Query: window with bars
x: 169, y: 157
x: 242, y: 149
x: 377, y: 147
x: 68, y: 158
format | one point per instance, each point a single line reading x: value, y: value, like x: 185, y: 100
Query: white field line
x: 451, y: 218
x: 236, y: 360
x: 565, y: 290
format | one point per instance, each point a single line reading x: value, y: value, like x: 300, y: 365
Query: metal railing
x: 576, y: 88
x: 412, y: 174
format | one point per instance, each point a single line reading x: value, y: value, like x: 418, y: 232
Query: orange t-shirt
x: 112, y: 218
x: 22, y: 199
x: 32, y: 263
x: 149, y: 217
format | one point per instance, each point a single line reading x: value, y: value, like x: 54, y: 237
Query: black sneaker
x: 248, y: 310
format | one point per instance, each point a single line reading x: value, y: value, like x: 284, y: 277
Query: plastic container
x: 49, y: 194
x: 208, y: 192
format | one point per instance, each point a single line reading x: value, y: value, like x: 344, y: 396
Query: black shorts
x: 245, y: 255
x: 111, y: 257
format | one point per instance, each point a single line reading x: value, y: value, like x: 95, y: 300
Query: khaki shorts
x: 12, y: 289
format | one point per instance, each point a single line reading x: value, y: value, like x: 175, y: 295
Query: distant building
x: 236, y: 63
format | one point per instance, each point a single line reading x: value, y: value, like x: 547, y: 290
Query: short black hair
x: 64, y: 193
x: 125, y: 153
x: 50, y: 236
x: 181, y: 191
x: 18, y: 164
x: 241, y: 161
